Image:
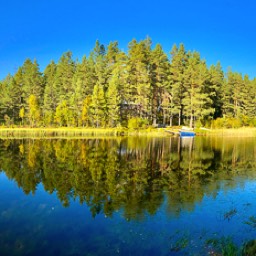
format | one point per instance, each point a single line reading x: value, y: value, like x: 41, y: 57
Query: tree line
x: 112, y: 88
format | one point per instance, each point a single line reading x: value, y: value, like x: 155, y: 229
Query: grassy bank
x: 68, y: 132
x: 77, y: 132
x: 231, y: 132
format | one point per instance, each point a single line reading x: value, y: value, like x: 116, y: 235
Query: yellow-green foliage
x: 233, y: 122
x: 136, y: 122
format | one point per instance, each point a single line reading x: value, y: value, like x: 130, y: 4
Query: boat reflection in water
x: 187, y: 132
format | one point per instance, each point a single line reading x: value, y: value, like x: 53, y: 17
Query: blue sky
x: 221, y: 30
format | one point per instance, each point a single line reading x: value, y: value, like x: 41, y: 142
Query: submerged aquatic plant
x: 251, y: 222
x: 228, y: 215
x: 249, y: 248
x: 180, y: 243
x: 224, y: 246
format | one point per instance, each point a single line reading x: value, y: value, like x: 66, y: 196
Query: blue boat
x: 185, y: 133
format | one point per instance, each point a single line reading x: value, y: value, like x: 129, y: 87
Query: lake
x: 127, y: 196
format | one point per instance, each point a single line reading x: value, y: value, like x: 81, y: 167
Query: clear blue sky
x: 221, y: 30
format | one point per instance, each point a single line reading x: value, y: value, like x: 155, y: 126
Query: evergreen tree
x: 64, y: 77
x: 32, y: 82
x: 216, y: 78
x: 9, y: 106
x: 85, y: 115
x: 177, y: 87
x: 50, y: 93
x: 99, y: 57
x: 249, y: 98
x: 196, y: 101
x: 159, y: 79
x: 98, y: 106
x: 139, y: 77
x: 113, y: 102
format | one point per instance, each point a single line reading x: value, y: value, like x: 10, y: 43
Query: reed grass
x: 229, y: 132
x: 67, y: 132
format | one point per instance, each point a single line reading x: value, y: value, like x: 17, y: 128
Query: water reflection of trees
x: 131, y: 174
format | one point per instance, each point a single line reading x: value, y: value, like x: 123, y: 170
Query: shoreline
x: 22, y: 132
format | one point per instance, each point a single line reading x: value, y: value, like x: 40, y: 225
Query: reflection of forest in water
x: 134, y: 175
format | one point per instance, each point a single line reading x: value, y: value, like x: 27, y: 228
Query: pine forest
x: 139, y: 88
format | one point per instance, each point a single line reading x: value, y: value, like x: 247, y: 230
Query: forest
x: 139, y: 88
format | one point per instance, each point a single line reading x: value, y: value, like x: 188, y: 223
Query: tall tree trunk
x: 171, y: 121
x: 191, y: 121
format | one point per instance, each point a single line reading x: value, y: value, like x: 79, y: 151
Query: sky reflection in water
x: 129, y: 213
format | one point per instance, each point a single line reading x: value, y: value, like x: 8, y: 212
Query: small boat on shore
x: 186, y: 132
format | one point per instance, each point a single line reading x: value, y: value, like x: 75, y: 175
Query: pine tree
x: 196, y: 101
x: 50, y: 93
x: 85, y: 115
x: 159, y: 79
x: 99, y: 57
x: 98, y: 106
x: 32, y: 82
x: 248, y: 98
x: 64, y: 77
x: 177, y: 87
x: 10, y: 94
x: 139, y: 77
x: 113, y: 102
x: 216, y: 79
x: 231, y: 95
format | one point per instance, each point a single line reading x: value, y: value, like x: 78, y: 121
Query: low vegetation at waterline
x: 113, y: 88
x: 78, y: 132
x: 61, y: 132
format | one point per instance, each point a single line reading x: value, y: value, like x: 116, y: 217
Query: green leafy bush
x: 137, y: 122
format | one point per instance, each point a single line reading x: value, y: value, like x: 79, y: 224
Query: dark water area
x: 127, y: 196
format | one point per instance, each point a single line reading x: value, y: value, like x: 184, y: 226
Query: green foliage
x: 136, y: 122
x: 98, y: 106
x: 249, y: 248
x: 225, y: 246
x: 251, y: 222
x: 33, y: 110
x: 142, y: 83
x: 227, y: 123
x: 62, y: 114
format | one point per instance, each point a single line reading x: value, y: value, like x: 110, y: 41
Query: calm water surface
x: 129, y: 196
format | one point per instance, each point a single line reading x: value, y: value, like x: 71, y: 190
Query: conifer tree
x: 139, y: 77
x: 196, y: 101
x: 99, y: 57
x: 113, y: 102
x: 249, y: 98
x: 32, y: 81
x: 85, y: 115
x: 64, y: 77
x: 50, y: 93
x: 98, y: 106
x: 216, y: 78
x: 159, y: 79
x: 176, y: 88
x: 10, y: 96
